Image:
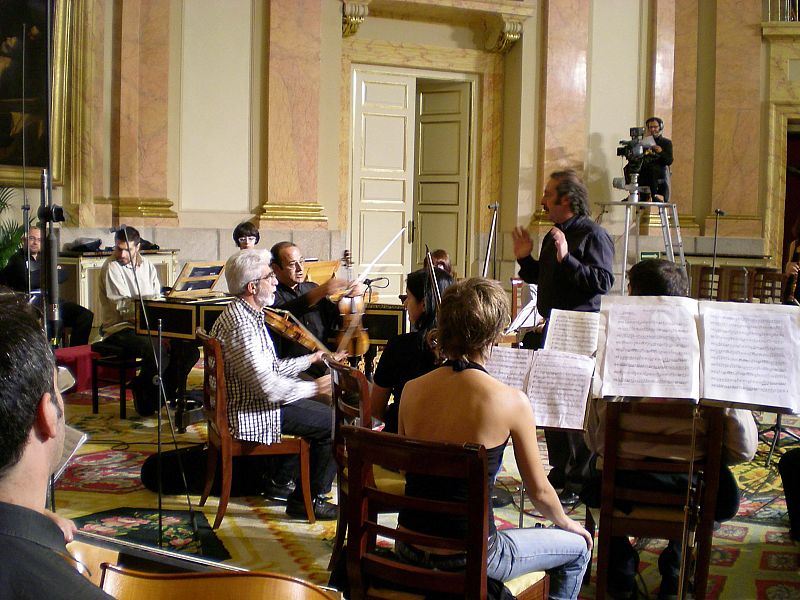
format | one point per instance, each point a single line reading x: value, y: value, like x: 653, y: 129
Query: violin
x: 284, y: 323
x: 352, y: 338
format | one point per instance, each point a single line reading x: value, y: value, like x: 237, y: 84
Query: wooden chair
x: 658, y: 514
x: 350, y: 392
x: 220, y: 440
x: 767, y: 286
x: 368, y: 568
x: 704, y: 282
x: 734, y: 284
x: 126, y: 584
x: 517, y: 295
x: 89, y: 559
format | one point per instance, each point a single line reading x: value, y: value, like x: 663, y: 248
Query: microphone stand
x: 491, y: 243
x: 717, y: 214
x: 162, y: 402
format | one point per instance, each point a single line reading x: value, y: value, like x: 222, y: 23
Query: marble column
x: 140, y: 70
x: 683, y: 113
x: 292, y: 99
x: 565, y: 110
x: 737, y: 121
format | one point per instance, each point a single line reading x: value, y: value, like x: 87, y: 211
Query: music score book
x: 556, y: 383
x: 745, y: 355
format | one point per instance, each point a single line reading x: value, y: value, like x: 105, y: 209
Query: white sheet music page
x: 572, y: 331
x: 510, y: 366
x: 750, y: 354
x: 558, y: 388
x: 652, y: 347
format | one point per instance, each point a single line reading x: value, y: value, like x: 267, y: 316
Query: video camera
x: 632, y: 149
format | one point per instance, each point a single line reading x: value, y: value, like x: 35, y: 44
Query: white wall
x: 616, y: 90
x: 215, y: 110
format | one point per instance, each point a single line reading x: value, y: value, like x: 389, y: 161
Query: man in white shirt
x: 265, y: 396
x: 126, y: 277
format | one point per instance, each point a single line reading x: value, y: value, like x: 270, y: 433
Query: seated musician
x: 15, y: 275
x: 126, y: 278
x: 460, y: 402
x: 657, y: 277
x: 441, y: 260
x: 265, y: 396
x: 32, y: 551
x: 246, y: 235
x: 409, y: 355
x: 305, y: 300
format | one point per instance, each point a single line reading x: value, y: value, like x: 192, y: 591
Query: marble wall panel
x: 664, y: 62
x: 565, y: 107
x: 684, y: 115
x: 735, y: 186
x: 293, y: 101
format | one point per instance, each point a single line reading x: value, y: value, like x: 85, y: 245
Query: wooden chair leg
x: 603, y: 551
x: 123, y: 390
x: 702, y: 564
x: 95, y: 393
x: 305, y: 481
x: 341, y: 526
x: 211, y: 471
x: 225, y: 491
x: 591, y: 527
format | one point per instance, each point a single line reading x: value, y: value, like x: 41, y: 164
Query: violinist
x: 409, y: 355
x: 305, y: 300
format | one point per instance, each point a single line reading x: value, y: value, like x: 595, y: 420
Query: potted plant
x: 10, y: 230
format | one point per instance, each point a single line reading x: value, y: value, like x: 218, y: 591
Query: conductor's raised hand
x: 523, y: 246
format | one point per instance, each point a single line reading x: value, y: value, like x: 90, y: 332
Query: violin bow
x: 437, y: 294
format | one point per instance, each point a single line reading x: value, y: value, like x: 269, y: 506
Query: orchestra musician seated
x: 265, y: 397
x: 246, y: 236
x: 409, y: 355
x: 441, y: 260
x: 126, y: 278
x: 306, y: 300
x: 658, y: 277
x: 460, y: 402
x: 32, y: 539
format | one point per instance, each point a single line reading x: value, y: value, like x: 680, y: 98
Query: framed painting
x: 23, y: 91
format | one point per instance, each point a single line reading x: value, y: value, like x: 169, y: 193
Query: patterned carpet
x: 753, y: 555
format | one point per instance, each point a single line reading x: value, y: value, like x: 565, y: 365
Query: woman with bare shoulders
x: 472, y: 315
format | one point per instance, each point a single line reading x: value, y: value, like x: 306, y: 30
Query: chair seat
x: 385, y: 480
x: 644, y: 512
x: 516, y: 586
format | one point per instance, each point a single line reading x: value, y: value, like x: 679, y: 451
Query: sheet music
x: 510, y: 366
x: 558, y: 388
x: 652, y: 348
x: 527, y: 317
x: 750, y: 353
x: 73, y: 439
x: 572, y: 331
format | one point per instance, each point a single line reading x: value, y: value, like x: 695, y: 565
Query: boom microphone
x: 719, y: 212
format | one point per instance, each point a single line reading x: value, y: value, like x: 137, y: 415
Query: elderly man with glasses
x: 265, y: 396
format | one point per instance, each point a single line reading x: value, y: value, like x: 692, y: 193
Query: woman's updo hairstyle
x: 473, y: 314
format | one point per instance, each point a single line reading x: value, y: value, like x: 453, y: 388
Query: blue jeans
x: 514, y: 552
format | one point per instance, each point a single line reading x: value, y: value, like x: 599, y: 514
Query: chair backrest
x: 767, y: 287
x: 215, y: 400
x: 365, y: 566
x: 704, y: 282
x: 735, y: 284
x: 124, y: 584
x: 517, y: 291
x: 621, y: 434
x: 350, y: 393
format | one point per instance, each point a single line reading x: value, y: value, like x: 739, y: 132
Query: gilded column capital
x: 353, y: 14
x: 292, y: 211
x: 502, y: 32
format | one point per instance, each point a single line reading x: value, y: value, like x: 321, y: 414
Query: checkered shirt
x: 257, y: 381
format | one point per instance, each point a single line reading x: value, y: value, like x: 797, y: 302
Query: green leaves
x: 10, y: 230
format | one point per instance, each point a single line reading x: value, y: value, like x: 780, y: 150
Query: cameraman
x: 657, y: 159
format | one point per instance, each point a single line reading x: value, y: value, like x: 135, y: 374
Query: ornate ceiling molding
x: 353, y: 14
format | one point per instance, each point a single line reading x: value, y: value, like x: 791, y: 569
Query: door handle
x: 410, y: 230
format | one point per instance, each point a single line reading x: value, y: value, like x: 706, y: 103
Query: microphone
x: 371, y: 281
x: 719, y: 212
x: 494, y: 206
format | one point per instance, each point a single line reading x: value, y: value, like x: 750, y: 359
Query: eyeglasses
x: 246, y: 239
x: 267, y: 277
x: 295, y: 264
x: 403, y: 298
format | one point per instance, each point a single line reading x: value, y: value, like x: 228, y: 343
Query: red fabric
x: 78, y: 359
